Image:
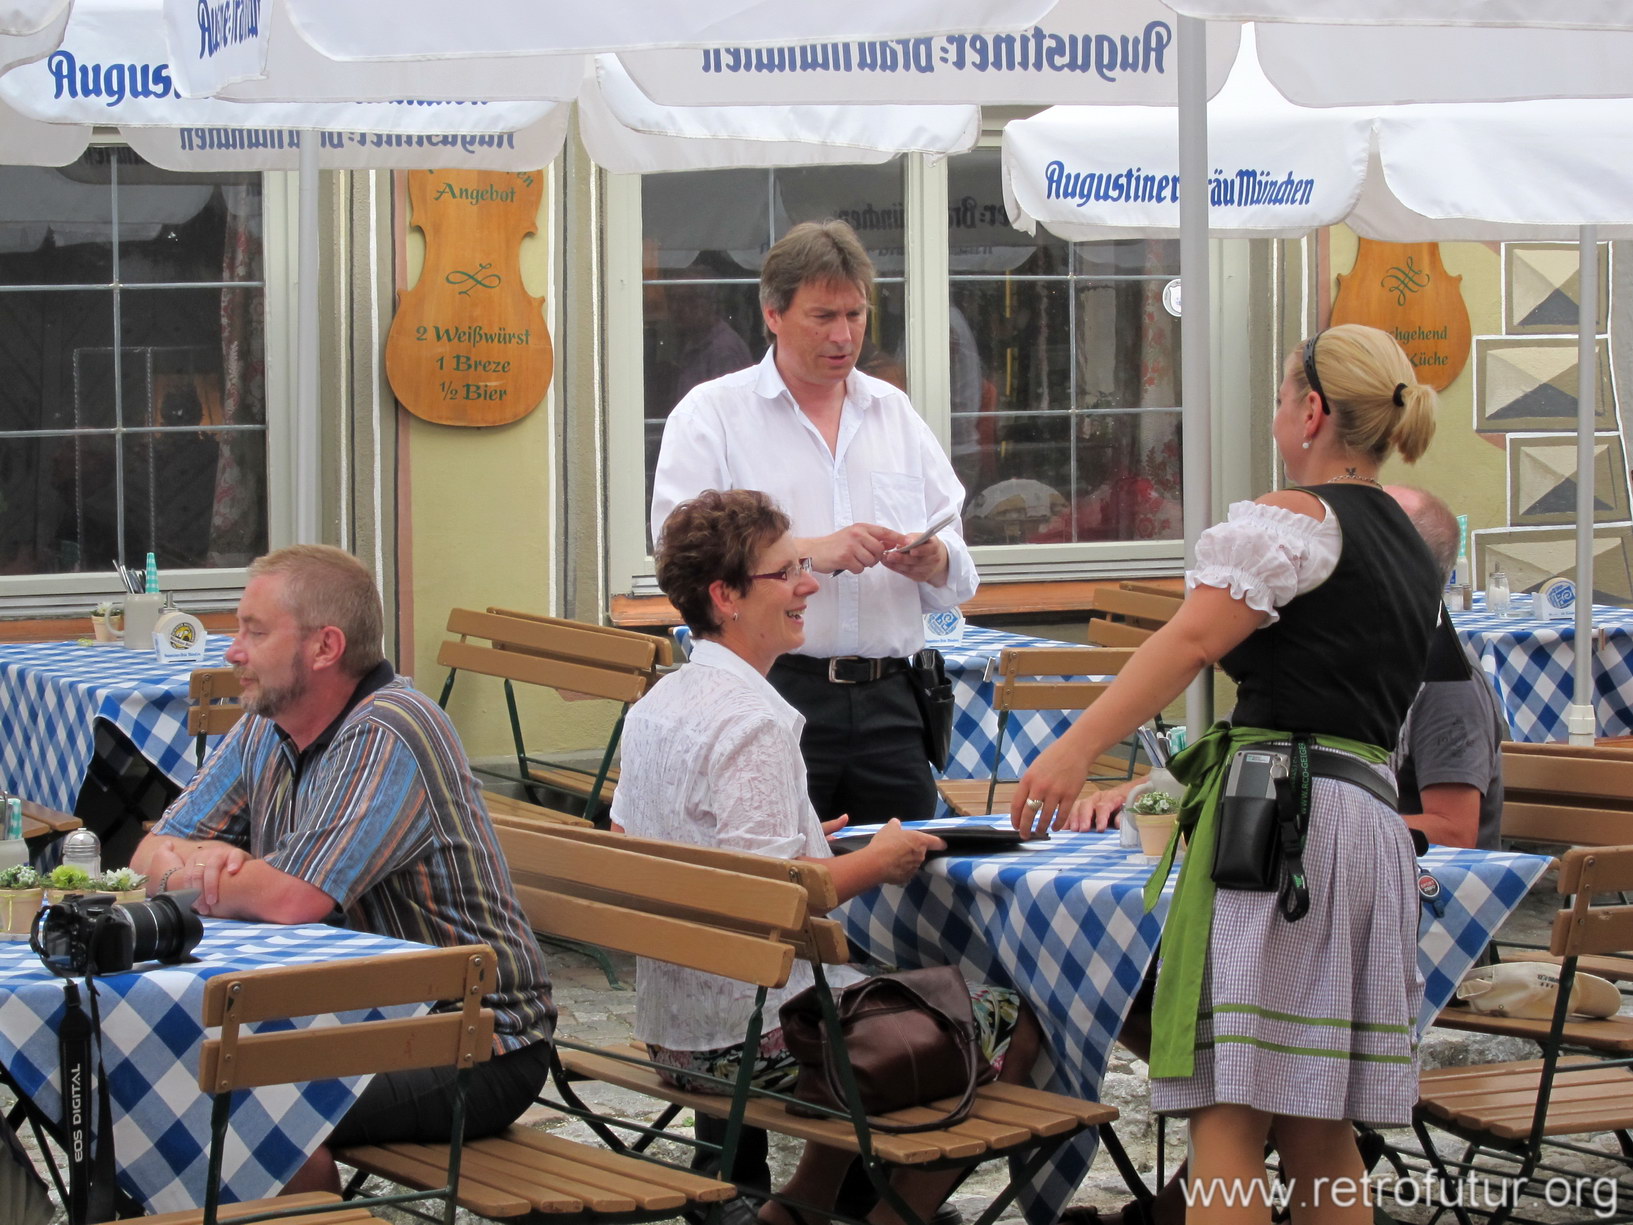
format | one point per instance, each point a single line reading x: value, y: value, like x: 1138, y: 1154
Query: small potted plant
x: 126, y: 885
x: 1154, y: 815
x: 20, y: 895
x: 65, y: 879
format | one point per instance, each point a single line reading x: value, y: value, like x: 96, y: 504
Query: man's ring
x: 198, y: 863
x: 1034, y: 803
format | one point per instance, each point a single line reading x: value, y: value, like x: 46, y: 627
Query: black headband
x: 1311, y: 377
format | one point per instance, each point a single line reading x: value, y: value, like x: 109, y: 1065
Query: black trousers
x: 417, y: 1105
x: 863, y: 746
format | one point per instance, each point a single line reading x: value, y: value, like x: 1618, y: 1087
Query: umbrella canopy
x: 30, y: 29
x: 1465, y: 171
x: 1344, y: 53
x: 112, y: 67
x: 1081, y: 51
x: 429, y: 29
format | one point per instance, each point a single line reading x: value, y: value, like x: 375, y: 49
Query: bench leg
x: 597, y: 954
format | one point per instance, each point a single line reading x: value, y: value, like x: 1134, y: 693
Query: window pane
x: 1064, y: 375
x: 163, y: 442
x: 56, y: 226
x: 57, y: 499
x: 170, y: 488
x: 56, y: 367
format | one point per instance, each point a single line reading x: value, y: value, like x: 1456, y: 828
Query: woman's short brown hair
x: 714, y: 537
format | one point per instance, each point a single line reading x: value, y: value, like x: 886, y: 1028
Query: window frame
x: 926, y: 282
x: 54, y: 595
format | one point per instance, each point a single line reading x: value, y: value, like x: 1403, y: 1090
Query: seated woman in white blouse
x: 711, y: 757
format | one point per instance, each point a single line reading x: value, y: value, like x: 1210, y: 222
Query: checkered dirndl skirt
x: 1316, y: 1018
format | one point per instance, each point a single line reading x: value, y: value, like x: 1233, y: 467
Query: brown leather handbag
x: 910, y: 1037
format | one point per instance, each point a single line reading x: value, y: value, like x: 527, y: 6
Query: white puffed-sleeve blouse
x: 1266, y: 555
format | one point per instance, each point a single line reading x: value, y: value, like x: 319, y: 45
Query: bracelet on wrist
x: 165, y: 878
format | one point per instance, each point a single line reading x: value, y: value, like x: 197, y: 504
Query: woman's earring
x: 734, y: 616
x: 1305, y: 444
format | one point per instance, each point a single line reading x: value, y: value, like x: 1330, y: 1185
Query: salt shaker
x: 83, y: 849
x: 1497, y: 593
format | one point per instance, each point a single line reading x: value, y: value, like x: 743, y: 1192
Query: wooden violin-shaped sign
x: 468, y: 345
x: 1404, y: 289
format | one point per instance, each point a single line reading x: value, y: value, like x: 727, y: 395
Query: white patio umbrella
x: 112, y: 67
x: 1550, y: 183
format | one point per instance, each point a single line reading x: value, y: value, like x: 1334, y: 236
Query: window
x: 133, y: 394
x: 1063, y: 377
x: 1049, y: 370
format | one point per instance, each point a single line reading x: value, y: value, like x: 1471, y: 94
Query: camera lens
x: 165, y: 928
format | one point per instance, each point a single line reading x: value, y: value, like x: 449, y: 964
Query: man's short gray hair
x: 328, y: 586
x: 1435, y: 523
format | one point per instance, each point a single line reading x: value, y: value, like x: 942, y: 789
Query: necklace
x: 1353, y: 475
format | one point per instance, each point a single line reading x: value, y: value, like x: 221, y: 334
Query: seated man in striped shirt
x: 344, y: 796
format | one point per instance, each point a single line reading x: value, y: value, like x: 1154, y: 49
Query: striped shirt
x: 382, y: 814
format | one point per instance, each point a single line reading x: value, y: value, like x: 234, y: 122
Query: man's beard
x: 271, y: 700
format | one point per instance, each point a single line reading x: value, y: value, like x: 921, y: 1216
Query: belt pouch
x: 1247, y: 838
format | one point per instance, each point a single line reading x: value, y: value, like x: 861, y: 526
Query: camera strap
x: 92, y: 1178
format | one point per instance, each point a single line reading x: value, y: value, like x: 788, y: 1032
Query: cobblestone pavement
x: 593, y: 1012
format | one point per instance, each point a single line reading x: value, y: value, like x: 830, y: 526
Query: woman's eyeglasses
x: 789, y: 573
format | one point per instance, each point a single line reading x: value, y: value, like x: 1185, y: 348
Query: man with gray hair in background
x: 1448, y: 763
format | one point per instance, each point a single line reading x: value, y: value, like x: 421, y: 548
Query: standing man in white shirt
x: 859, y: 473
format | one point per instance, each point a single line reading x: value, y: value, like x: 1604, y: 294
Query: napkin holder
x: 178, y: 637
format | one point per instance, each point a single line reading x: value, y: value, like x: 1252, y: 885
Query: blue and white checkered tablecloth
x: 970, y: 667
x: 151, y: 1035
x: 52, y: 693
x: 1064, y: 923
x: 1529, y: 662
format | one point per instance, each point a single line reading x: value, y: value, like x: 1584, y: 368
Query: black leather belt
x: 1325, y: 763
x: 844, y: 669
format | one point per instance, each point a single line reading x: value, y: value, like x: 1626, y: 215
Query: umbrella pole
x: 1579, y: 719
x: 1196, y: 328
x: 308, y: 482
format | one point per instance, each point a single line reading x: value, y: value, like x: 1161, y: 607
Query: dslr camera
x: 87, y: 934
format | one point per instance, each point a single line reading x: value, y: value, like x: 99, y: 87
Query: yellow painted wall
x: 480, y: 531
x: 1462, y: 467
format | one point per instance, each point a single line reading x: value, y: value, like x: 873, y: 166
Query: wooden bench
x: 1511, y: 1109
x: 41, y: 824
x: 577, y: 660
x: 1034, y: 678
x: 1581, y: 795
x: 747, y: 917
x: 1129, y: 613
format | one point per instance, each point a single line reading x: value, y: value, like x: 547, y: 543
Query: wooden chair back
x: 1585, y: 929
x: 1576, y: 794
x: 723, y: 912
x: 1138, y: 605
x: 1031, y: 678
x: 567, y: 656
x: 213, y: 703
x: 236, y: 1058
